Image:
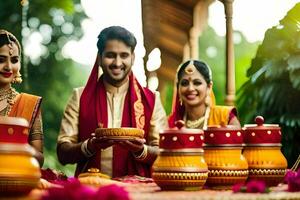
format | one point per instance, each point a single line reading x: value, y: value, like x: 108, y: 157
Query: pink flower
x: 112, y: 192
x: 252, y: 186
x: 293, y: 180
x: 239, y: 187
x: 256, y: 187
x: 74, y: 190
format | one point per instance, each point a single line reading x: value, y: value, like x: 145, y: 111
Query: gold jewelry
x: 180, y: 100
x: 200, y: 122
x: 9, y: 94
x: 207, y: 99
x: 190, y: 69
x: 11, y: 50
x: 195, y: 123
x: 4, y: 93
x: 11, y: 39
x: 18, y: 78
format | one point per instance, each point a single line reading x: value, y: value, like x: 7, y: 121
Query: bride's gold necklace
x: 201, y: 122
x: 8, y: 94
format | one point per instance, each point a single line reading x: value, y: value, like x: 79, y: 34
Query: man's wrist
x: 141, y: 155
x: 85, y: 150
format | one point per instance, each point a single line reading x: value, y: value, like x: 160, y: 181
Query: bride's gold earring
x: 207, y: 99
x: 18, y: 78
x: 180, y: 101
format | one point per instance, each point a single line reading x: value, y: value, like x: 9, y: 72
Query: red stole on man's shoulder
x: 137, y: 112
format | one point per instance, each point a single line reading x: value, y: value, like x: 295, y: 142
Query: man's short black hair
x: 115, y: 33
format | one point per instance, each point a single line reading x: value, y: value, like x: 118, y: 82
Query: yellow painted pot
x: 19, y: 170
x: 223, y: 155
x: 263, y: 152
x: 180, y: 164
x: 266, y: 163
x: 180, y: 171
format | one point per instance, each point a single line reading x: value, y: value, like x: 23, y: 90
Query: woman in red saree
x: 194, y: 101
x: 12, y: 103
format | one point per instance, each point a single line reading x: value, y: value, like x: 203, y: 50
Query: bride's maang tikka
x: 10, y: 42
x: 190, y: 68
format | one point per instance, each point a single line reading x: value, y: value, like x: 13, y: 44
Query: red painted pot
x: 262, y: 151
x: 223, y: 155
x: 180, y: 164
x: 19, y: 170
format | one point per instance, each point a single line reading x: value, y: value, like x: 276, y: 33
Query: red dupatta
x: 137, y: 112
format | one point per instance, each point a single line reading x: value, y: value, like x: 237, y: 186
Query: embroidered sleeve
x: 158, y: 121
x: 37, y: 129
x: 69, y: 124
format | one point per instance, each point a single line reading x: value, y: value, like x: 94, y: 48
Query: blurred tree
x: 212, y: 51
x: 273, y: 89
x: 51, y: 24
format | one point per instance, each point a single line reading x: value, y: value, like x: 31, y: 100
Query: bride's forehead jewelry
x: 190, y: 68
x: 11, y: 50
x: 10, y: 43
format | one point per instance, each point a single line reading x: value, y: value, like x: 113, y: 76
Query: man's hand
x: 97, y: 143
x: 136, y: 145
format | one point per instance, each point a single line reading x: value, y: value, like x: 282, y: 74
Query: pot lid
x: 223, y: 135
x: 181, y: 138
x: 260, y: 133
x: 181, y: 129
x: 222, y: 128
x: 93, y: 172
x: 18, y: 121
x: 14, y: 130
x: 259, y: 120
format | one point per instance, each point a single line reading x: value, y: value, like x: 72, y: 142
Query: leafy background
x: 267, y: 74
x: 273, y: 88
x: 51, y: 76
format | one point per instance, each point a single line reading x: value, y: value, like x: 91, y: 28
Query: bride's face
x: 193, y: 89
x: 9, y: 64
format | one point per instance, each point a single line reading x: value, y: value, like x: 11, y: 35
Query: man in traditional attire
x: 113, y: 100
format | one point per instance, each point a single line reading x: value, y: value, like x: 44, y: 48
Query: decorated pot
x: 19, y: 170
x: 223, y: 155
x: 180, y: 164
x: 94, y: 178
x: 263, y: 152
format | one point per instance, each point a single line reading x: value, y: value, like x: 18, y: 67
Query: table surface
x: 150, y: 191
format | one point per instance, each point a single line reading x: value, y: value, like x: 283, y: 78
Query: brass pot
x: 180, y: 164
x: 19, y: 170
x: 223, y: 155
x: 262, y: 151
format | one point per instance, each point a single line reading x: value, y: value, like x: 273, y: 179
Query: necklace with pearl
x: 201, y: 122
x: 8, y: 94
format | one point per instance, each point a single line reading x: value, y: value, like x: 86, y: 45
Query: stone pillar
x: 200, y: 16
x: 151, y: 20
x: 186, y: 52
x: 194, y: 47
x: 230, y: 68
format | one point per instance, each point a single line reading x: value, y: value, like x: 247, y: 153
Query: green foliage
x: 167, y: 101
x: 52, y: 163
x: 273, y: 88
x: 212, y: 51
x: 50, y: 75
